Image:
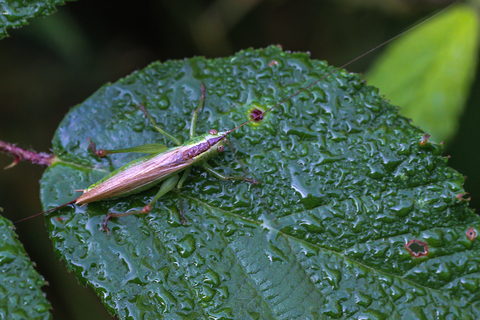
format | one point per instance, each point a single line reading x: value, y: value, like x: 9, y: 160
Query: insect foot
x: 183, y: 220
x: 105, y: 221
x: 110, y: 215
x: 252, y: 181
x: 100, y: 153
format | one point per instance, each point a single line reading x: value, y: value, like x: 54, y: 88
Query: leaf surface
x: 347, y: 183
x: 21, y: 296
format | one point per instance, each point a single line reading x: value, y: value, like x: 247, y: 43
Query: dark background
x: 59, y: 61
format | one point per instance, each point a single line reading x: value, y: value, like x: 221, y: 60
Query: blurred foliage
x: 429, y: 71
x: 57, y: 62
x: 396, y: 7
x: 21, y: 296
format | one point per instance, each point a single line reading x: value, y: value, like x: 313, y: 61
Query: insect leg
x: 184, y: 177
x: 217, y: 174
x: 154, y: 123
x: 167, y: 185
x: 193, y: 124
x: 146, y: 148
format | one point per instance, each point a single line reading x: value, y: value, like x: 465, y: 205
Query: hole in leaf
x: 256, y: 115
x: 471, y: 233
x: 417, y: 248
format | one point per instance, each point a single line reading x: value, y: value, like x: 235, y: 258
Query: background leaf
x: 21, y: 296
x: 346, y: 184
x: 429, y: 71
x: 15, y: 13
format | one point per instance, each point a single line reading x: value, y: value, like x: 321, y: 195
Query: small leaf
x: 15, y: 13
x: 429, y: 71
x: 349, y: 190
x: 21, y: 296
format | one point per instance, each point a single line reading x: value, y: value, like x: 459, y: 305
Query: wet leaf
x: 15, y: 13
x: 429, y: 71
x: 358, y: 214
x: 21, y: 296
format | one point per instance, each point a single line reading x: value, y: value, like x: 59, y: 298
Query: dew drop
x: 186, y: 246
x: 211, y: 277
x: 206, y: 294
x: 403, y: 208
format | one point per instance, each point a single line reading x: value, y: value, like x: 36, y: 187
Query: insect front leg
x: 184, y: 177
x: 167, y: 185
x: 193, y: 123
x: 217, y: 174
x: 154, y: 123
x: 150, y: 148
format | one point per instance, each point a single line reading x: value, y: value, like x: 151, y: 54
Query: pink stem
x: 20, y: 154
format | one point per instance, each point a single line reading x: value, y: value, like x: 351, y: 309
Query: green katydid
x: 162, y: 165
x: 172, y: 166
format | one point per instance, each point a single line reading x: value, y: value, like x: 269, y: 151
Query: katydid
x: 168, y: 165
x: 172, y: 166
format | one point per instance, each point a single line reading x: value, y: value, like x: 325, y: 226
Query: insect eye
x: 213, y: 131
x: 221, y: 148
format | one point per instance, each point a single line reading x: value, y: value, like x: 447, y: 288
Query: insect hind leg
x: 167, y: 185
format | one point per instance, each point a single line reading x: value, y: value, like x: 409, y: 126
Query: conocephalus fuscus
x: 165, y: 164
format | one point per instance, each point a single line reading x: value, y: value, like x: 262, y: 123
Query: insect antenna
x: 39, y: 214
x: 344, y: 65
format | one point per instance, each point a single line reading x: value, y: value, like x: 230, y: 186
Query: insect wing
x: 138, y: 177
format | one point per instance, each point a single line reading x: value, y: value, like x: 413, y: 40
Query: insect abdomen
x: 136, y: 176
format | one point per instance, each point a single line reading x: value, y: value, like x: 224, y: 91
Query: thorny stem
x: 20, y: 154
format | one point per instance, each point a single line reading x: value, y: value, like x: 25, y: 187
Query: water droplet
x: 163, y: 103
x: 186, y: 246
x: 363, y: 300
x: 42, y: 307
x: 403, y: 208
x: 138, y: 127
x: 230, y: 229
x: 211, y: 277
x: 206, y: 294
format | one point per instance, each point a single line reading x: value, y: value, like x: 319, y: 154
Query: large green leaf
x: 347, y: 183
x: 21, y: 296
x: 14, y: 13
x: 429, y: 71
